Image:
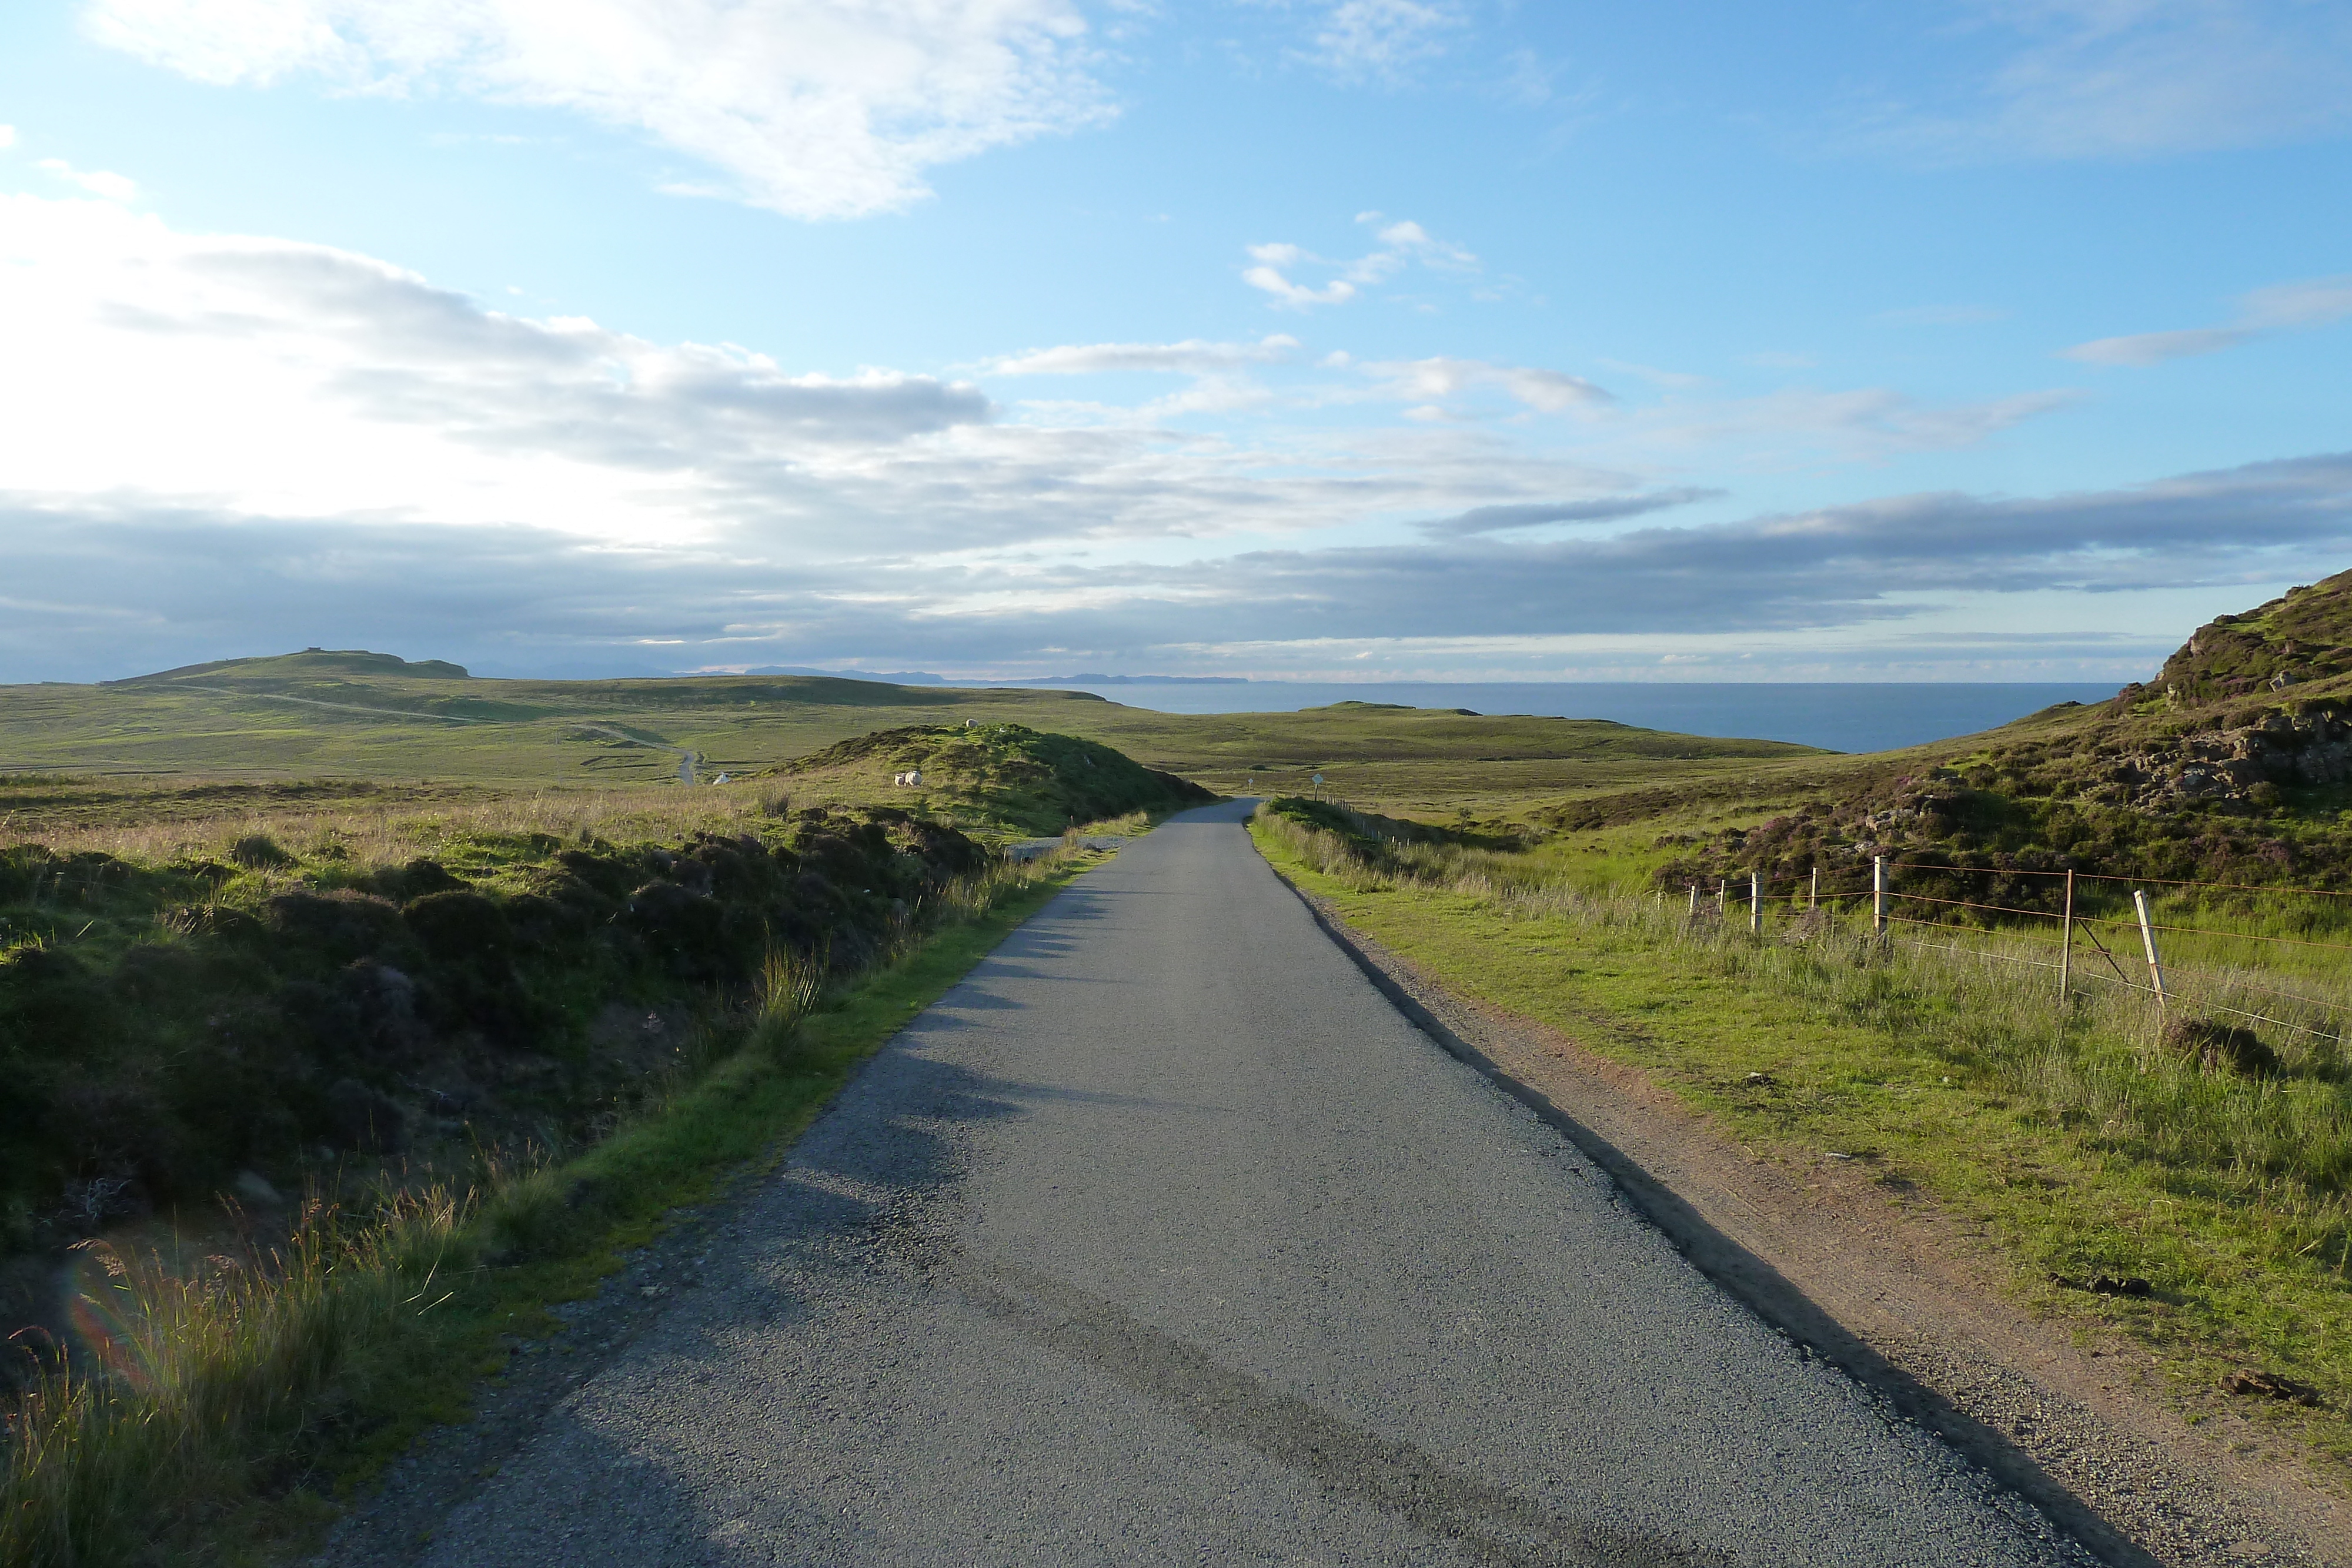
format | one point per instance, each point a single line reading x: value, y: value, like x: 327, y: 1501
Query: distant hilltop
x: 312, y: 662
x: 894, y: 677
x: 1132, y: 681
x: 345, y: 662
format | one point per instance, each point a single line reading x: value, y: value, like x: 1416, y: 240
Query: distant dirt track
x: 1165, y: 1238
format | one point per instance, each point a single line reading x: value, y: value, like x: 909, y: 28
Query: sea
x: 1835, y: 715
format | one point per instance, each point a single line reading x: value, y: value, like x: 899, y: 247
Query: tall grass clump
x: 789, y: 989
x: 191, y: 1385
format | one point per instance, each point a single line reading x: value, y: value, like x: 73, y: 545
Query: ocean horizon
x: 1836, y: 716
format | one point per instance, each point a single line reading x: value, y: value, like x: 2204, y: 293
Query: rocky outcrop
x: 2246, y: 765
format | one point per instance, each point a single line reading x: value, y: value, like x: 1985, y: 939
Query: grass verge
x: 2071, y: 1145
x: 226, y: 1408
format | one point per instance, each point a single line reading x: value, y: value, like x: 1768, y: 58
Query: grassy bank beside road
x: 2074, y: 1144
x: 232, y: 1403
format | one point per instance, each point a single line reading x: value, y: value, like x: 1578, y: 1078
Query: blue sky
x: 1985, y: 339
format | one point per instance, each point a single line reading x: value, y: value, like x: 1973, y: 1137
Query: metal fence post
x: 1814, y: 902
x: 1755, y: 903
x: 2066, y: 941
x: 1878, y: 895
x: 2147, y: 940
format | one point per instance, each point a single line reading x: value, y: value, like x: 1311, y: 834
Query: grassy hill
x: 2234, y: 766
x: 2303, y: 637
x: 1005, y: 773
x: 370, y: 717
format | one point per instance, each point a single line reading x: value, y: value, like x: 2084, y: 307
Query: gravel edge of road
x: 2126, y: 1478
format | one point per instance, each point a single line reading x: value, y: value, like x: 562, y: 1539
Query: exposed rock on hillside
x: 2300, y: 638
x: 2244, y: 766
x: 2235, y: 765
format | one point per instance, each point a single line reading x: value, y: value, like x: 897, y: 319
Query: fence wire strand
x: 2212, y: 984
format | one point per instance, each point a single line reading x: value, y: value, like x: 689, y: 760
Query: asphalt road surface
x: 1163, y: 1237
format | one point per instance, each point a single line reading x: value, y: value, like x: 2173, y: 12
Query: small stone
x: 2269, y: 1385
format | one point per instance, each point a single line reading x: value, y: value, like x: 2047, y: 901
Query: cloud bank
x: 225, y: 444
x: 2280, y: 307
x: 816, y: 109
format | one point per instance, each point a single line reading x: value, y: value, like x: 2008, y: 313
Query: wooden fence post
x: 1815, y: 901
x: 2067, y: 942
x: 1755, y: 903
x: 1722, y: 896
x: 2147, y: 940
x: 1878, y: 895
x: 1694, y: 908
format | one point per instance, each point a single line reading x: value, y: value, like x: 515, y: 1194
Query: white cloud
x: 818, y: 109
x: 1858, y: 425
x: 293, y: 379
x: 8, y: 137
x: 1549, y: 392
x: 1191, y: 357
x: 1358, y: 40
x: 2281, y: 306
x: 218, y: 444
x: 1297, y: 296
x: 2313, y: 302
x: 2155, y: 348
x: 264, y: 379
x: 1406, y: 240
x: 2133, y: 79
x: 1399, y: 244
x: 97, y: 182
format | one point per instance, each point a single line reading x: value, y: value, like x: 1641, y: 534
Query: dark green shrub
x: 258, y: 851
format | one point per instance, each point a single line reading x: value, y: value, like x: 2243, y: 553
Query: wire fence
x: 2065, y: 941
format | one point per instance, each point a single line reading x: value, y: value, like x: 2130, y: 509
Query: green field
x: 315, y: 717
x: 1535, y: 862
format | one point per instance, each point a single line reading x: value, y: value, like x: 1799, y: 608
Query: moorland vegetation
x: 285, y: 1076
x: 2234, y: 766
x: 324, y: 721
x: 428, y: 947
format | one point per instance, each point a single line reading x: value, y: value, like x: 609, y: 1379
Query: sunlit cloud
x: 811, y: 109
x: 1398, y: 244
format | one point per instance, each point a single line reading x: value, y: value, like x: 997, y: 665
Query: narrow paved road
x: 1164, y: 1239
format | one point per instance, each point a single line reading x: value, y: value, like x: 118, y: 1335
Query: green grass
x: 304, y: 719
x: 240, y: 1400
x: 2072, y: 1142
